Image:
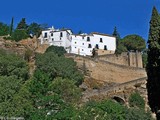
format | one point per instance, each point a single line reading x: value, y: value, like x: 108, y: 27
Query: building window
x: 89, y: 46
x: 61, y: 34
x: 75, y: 42
x: 82, y: 50
x: 75, y: 47
x: 105, y: 47
x: 52, y: 39
x: 88, y: 38
x: 45, y: 35
x: 97, y: 46
x: 60, y: 38
x: 51, y: 34
x: 101, y: 40
x: 82, y: 37
x: 82, y: 43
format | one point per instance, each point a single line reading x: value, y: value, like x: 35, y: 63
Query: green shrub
x: 135, y: 100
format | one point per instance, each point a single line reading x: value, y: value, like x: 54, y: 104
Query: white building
x: 57, y: 37
x: 84, y: 44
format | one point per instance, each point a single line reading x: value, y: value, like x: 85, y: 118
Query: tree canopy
x: 60, y: 51
x: 134, y: 42
x: 4, y: 29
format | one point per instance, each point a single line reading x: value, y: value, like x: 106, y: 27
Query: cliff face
x: 12, y: 46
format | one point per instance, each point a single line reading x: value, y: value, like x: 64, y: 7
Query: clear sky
x: 129, y: 16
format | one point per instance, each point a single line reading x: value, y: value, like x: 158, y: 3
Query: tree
x: 11, y: 27
x: 58, y: 66
x: 14, y: 97
x: 13, y: 65
x: 117, y: 35
x: 35, y: 29
x: 19, y: 35
x: 119, y: 44
x: 66, y: 89
x: 4, y: 29
x: 134, y: 42
x: 22, y: 24
x: 153, y: 65
x: 60, y: 51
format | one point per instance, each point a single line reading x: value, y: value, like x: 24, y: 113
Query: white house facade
x: 84, y: 44
x: 57, y: 37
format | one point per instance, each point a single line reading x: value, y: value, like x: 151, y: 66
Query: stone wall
x: 104, y: 52
x: 108, y: 72
x: 133, y: 59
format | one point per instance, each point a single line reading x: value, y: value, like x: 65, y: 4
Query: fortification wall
x: 133, y: 59
x: 109, y: 72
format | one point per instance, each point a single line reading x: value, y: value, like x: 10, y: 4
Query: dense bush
x: 135, y: 100
x: 58, y: 66
x: 60, y: 51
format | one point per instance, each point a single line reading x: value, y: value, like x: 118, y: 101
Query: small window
x: 88, y: 38
x: 60, y: 38
x: 82, y: 37
x: 51, y: 34
x: 61, y: 34
x: 75, y: 47
x: 97, y: 46
x: 105, y: 47
x: 75, y: 42
x: 101, y: 40
x: 45, y: 35
x: 89, y: 46
x: 82, y: 50
x: 52, y: 39
x: 82, y: 43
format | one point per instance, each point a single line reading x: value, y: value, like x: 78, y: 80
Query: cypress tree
x: 11, y: 26
x: 153, y: 65
x: 116, y: 34
x: 22, y: 24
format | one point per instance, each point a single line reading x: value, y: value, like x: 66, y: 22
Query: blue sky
x: 129, y: 16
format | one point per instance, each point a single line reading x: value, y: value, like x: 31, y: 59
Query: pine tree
x: 11, y: 26
x: 22, y: 24
x: 153, y: 65
x: 119, y: 47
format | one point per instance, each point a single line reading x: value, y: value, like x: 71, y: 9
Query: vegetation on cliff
x: 52, y: 92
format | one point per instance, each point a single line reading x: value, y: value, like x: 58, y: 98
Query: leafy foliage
x: 35, y: 29
x: 60, y: 51
x: 66, y: 89
x: 19, y: 35
x: 135, y: 100
x: 22, y: 24
x: 138, y: 114
x: 14, y: 97
x: 4, y: 29
x: 55, y: 98
x: 134, y: 42
x: 57, y: 66
x: 13, y: 65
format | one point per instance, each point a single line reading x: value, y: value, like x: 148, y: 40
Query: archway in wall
x: 119, y: 99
